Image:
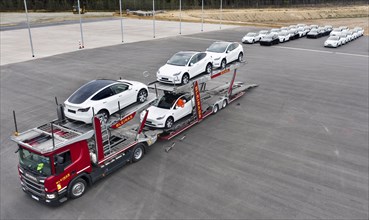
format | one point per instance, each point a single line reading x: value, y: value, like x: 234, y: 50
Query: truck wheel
x: 138, y: 153
x: 169, y: 122
x: 215, y: 109
x: 142, y: 96
x: 224, y: 104
x: 77, y: 188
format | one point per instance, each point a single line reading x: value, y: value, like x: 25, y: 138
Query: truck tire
x: 138, y: 153
x: 77, y: 188
x: 225, y: 103
x: 215, y: 109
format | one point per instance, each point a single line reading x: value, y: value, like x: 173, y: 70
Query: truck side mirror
x: 59, y: 167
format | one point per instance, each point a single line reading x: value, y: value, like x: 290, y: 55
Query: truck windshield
x: 34, y: 163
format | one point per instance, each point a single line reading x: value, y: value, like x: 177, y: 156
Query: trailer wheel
x: 225, y: 103
x: 142, y: 96
x: 77, y: 188
x: 215, y: 109
x: 169, y: 122
x: 138, y: 153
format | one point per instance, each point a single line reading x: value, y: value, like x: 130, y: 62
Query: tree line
x: 113, y: 5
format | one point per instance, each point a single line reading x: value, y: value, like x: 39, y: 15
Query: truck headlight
x: 51, y: 196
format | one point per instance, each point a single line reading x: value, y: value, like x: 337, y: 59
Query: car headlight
x: 84, y: 109
x: 160, y: 118
x: 51, y: 196
x: 218, y: 58
x: 176, y: 74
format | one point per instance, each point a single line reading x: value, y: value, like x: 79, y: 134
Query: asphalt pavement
x: 296, y: 147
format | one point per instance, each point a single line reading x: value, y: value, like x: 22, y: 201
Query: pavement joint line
x: 200, y: 38
x: 322, y: 51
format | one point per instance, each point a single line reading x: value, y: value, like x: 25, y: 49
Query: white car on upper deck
x: 183, y: 66
x: 101, y: 96
x: 222, y: 53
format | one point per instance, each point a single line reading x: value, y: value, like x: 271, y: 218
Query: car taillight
x: 84, y: 109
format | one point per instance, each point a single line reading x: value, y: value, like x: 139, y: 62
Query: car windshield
x: 218, y: 47
x: 167, y: 101
x: 251, y: 34
x: 268, y: 37
x: 282, y: 33
x: 313, y: 31
x: 87, y: 90
x: 180, y: 59
x: 34, y: 163
x: 333, y: 38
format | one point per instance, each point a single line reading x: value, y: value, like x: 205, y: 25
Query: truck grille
x: 32, y: 186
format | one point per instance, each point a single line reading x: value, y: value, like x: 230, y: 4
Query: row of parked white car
x: 283, y: 34
x: 102, y: 96
x: 343, y: 35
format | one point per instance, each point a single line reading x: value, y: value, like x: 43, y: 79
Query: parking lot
x: 296, y: 147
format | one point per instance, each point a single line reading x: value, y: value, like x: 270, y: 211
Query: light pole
x: 29, y: 29
x: 202, y: 15
x: 121, y: 18
x: 180, y: 16
x: 221, y: 12
x: 80, y: 25
x: 153, y: 17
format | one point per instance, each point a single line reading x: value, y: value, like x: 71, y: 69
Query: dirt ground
x: 336, y: 16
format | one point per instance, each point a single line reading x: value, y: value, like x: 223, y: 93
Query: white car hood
x: 155, y: 112
x: 169, y: 70
x: 214, y: 55
x: 331, y: 41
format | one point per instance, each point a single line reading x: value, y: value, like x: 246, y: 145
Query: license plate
x: 34, y: 197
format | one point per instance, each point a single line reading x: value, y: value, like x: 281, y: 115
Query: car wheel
x: 225, y: 103
x: 138, y: 153
x: 142, y: 96
x: 215, y: 109
x: 240, y: 57
x: 223, y: 64
x: 77, y: 188
x: 104, y: 115
x: 185, y: 78
x: 169, y: 122
x: 209, y: 68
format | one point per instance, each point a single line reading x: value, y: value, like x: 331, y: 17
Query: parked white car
x: 303, y: 31
x: 183, y: 66
x: 283, y: 36
x: 263, y: 33
x: 101, y: 97
x: 343, y: 39
x: 251, y: 38
x: 223, y: 53
x: 168, y: 109
x: 333, y: 41
x: 360, y: 31
x: 335, y: 31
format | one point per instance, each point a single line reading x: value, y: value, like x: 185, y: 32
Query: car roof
x: 89, y: 89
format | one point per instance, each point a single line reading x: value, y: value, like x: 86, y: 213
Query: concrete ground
x: 294, y: 148
x: 58, y: 39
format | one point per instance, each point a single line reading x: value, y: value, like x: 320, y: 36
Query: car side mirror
x: 191, y: 64
x: 227, y: 51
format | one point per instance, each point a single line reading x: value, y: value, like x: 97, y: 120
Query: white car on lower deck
x: 183, y: 66
x: 168, y: 109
